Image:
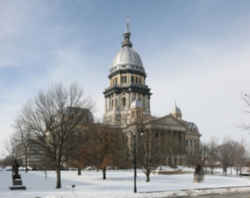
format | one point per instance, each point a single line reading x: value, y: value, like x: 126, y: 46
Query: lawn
x: 119, y: 184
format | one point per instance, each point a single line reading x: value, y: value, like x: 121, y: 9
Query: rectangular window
x: 115, y: 81
x: 124, y: 79
x: 132, y: 79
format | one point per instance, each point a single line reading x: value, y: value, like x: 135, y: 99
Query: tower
x: 127, y: 83
x: 177, y: 112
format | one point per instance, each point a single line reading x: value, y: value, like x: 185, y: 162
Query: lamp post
x: 135, y: 166
x: 134, y: 134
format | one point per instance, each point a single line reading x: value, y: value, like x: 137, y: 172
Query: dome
x: 192, y: 126
x: 127, y: 56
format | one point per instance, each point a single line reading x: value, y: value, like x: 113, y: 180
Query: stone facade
x: 127, y: 88
x: 127, y: 83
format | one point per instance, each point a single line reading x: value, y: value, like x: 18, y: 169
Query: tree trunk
x: 225, y: 171
x: 58, y: 178
x: 79, y: 171
x: 212, y: 171
x: 147, y: 176
x: 45, y: 174
x: 26, y: 160
x: 26, y: 164
x: 104, y: 173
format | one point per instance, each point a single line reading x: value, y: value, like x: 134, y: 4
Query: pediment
x: 168, y: 122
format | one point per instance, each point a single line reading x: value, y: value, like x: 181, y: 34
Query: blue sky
x: 195, y: 52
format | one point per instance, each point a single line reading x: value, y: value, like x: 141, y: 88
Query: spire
x: 126, y: 35
x: 127, y: 24
x: 177, y: 111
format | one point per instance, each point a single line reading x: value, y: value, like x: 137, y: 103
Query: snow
x: 162, y: 169
x: 119, y: 184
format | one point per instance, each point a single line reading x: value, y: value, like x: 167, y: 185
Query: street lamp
x: 137, y: 113
x: 134, y: 134
x: 135, y: 166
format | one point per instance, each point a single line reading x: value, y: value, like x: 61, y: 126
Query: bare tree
x: 10, y: 151
x: 238, y: 156
x: 147, y: 152
x: 10, y: 146
x: 106, y: 147
x: 22, y: 136
x: 212, y: 154
x: 225, y: 155
x: 7, y: 161
x: 53, y: 123
x: 198, y: 157
x: 80, y: 139
x: 152, y: 156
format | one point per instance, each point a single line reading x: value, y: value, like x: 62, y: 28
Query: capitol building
x: 128, y: 94
x: 127, y: 110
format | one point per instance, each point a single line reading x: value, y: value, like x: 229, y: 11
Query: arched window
x: 124, y: 102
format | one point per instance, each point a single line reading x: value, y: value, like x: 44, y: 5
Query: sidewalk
x: 196, y: 192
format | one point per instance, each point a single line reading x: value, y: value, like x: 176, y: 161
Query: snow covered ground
x: 119, y: 184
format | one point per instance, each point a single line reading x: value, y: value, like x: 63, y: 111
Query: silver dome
x: 127, y: 58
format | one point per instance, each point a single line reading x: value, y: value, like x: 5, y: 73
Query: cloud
x: 206, y: 81
x: 192, y: 59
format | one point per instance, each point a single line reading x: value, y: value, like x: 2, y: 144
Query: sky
x: 195, y: 52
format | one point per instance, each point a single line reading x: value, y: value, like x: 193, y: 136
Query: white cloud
x: 206, y: 84
x: 204, y: 76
